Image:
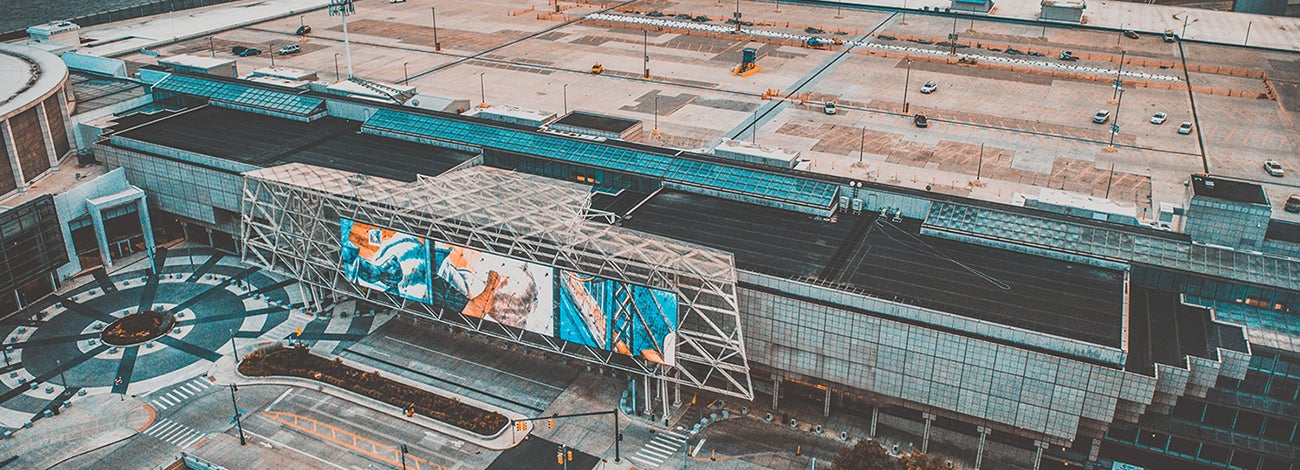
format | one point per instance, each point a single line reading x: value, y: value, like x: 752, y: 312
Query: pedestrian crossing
x: 655, y: 452
x: 180, y: 393
x: 174, y: 433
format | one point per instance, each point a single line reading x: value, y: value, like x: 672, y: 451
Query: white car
x: 1159, y: 118
x: 929, y: 87
x: 1185, y: 128
x: 829, y: 108
x: 1274, y: 168
x: 1101, y: 117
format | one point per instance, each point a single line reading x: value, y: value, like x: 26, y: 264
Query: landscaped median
x: 300, y: 362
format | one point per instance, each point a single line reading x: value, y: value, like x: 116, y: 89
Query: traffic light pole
x: 618, y: 436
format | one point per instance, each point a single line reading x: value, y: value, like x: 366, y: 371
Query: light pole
x: 272, y: 54
x: 482, y: 91
x: 566, y: 98
x: 656, y: 130
x: 1114, y: 128
x: 300, y: 22
x: 906, y: 80
x: 212, y: 48
x: 437, y: 46
x: 1117, y: 83
x: 1247, y: 41
x: 59, y: 365
x: 406, y: 77
x: 239, y: 424
x: 1186, y: 16
x: 645, y: 50
x: 233, y: 349
x: 343, y: 8
x: 839, y: 9
x: 404, y: 451
x: 336, y: 67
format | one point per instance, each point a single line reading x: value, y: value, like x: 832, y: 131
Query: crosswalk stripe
x: 157, y: 405
x: 159, y: 427
x: 673, y: 434
x: 171, y: 433
x: 660, y: 445
x: 166, y: 401
x: 647, y: 462
x: 191, y: 441
x: 176, y: 398
x: 193, y: 388
x: 668, y: 441
x: 202, y: 382
x: 655, y: 452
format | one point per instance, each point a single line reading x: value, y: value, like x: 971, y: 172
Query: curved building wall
x: 34, y: 129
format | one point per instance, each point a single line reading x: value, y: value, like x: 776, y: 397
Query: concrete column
x: 1038, y: 453
x: 925, y: 437
x: 826, y: 407
x: 647, y: 395
x: 7, y: 133
x: 101, y: 236
x: 663, y: 399
x: 47, y: 135
x: 776, y: 392
x: 64, y: 114
x: 146, y: 229
x: 875, y: 416
x: 979, y: 453
x: 208, y: 230
x: 677, y: 394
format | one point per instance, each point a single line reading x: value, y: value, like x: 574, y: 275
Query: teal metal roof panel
x: 240, y: 94
x: 762, y: 184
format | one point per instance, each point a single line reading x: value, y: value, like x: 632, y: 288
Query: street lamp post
x: 437, y: 46
x: 1114, y: 128
x: 1117, y: 83
x: 233, y: 349
x: 59, y: 365
x: 1186, y: 17
x: 1247, y: 41
x: 406, y: 77
x: 566, y: 98
x: 906, y: 80
x: 212, y: 48
x: 645, y: 50
x: 404, y: 451
x: 238, y: 423
x: 656, y: 130
x: 343, y: 8
x: 336, y: 67
x: 482, y: 91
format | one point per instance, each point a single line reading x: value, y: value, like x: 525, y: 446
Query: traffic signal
x: 559, y: 458
x: 570, y: 455
x: 550, y: 423
x: 521, y: 426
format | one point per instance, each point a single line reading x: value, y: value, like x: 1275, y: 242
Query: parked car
x: 1101, y: 117
x: 249, y: 51
x: 1185, y: 128
x: 1159, y: 118
x: 1170, y: 36
x: 1128, y: 33
x: 920, y: 121
x: 1292, y: 204
x: 929, y: 87
x: 829, y: 108
x: 237, y: 49
x: 289, y: 49
x: 303, y: 30
x: 1274, y: 168
x: 1067, y: 55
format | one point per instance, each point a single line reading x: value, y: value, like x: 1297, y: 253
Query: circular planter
x: 138, y: 328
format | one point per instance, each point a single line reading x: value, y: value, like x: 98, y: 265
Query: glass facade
x: 31, y: 244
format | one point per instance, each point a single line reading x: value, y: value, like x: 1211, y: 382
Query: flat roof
x: 265, y: 141
x: 93, y: 91
x: 598, y: 122
x: 893, y: 261
x: 1164, y: 330
x: 1228, y: 190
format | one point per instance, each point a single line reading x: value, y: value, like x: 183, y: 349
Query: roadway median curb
x: 224, y: 373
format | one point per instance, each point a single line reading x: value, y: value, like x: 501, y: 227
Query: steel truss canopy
x: 291, y: 224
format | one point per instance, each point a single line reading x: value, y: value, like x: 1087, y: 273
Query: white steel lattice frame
x: 290, y: 224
